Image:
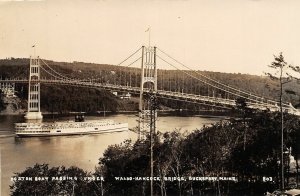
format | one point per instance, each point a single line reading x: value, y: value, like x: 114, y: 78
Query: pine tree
x: 281, y: 66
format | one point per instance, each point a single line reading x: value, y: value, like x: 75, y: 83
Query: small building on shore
x: 122, y: 96
x: 8, y: 89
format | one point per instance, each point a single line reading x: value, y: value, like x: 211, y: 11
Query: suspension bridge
x: 139, y: 74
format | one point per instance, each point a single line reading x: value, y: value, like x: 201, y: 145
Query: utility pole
x: 151, y: 144
x: 153, y: 107
x: 148, y: 75
x: 282, y: 130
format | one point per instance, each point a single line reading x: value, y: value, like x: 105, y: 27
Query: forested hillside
x: 66, y: 98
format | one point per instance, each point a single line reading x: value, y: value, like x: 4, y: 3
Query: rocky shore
x: 13, y: 106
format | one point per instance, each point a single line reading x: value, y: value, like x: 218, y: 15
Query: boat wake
x: 7, y: 135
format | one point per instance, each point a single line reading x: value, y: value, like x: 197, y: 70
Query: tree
x: 2, y: 104
x: 170, y: 160
x: 78, y: 185
x: 280, y: 65
x: 243, y: 112
x: 125, y: 160
x: 296, y: 134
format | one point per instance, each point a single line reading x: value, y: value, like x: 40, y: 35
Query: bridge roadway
x: 205, y: 100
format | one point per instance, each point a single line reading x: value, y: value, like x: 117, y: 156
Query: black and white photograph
x: 149, y: 97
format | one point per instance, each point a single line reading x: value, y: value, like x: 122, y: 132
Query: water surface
x: 82, y: 150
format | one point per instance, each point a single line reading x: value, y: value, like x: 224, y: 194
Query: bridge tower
x: 147, y: 114
x: 34, y: 109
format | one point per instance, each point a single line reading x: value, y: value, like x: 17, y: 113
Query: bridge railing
x: 178, y: 95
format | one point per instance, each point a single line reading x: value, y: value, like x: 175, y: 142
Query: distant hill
x: 100, y: 100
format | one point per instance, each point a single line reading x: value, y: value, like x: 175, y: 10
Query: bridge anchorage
x: 34, y: 108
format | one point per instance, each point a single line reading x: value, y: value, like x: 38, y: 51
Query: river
x: 83, y: 150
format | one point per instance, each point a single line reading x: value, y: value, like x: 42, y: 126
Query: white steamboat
x: 77, y: 127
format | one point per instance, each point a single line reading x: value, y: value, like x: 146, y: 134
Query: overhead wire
x: 200, y: 103
x: 129, y: 56
x: 51, y: 73
x: 133, y: 62
x: 55, y: 71
x: 225, y: 85
x: 235, y: 94
x: 59, y: 75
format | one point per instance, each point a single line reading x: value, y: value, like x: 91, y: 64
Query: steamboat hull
x: 68, y: 128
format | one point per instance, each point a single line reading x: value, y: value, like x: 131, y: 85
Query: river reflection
x: 83, y: 151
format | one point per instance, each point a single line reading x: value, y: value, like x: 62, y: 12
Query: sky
x: 237, y: 36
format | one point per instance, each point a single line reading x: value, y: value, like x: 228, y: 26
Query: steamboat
x: 77, y: 127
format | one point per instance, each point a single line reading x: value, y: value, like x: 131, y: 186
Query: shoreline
x: 203, y: 114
